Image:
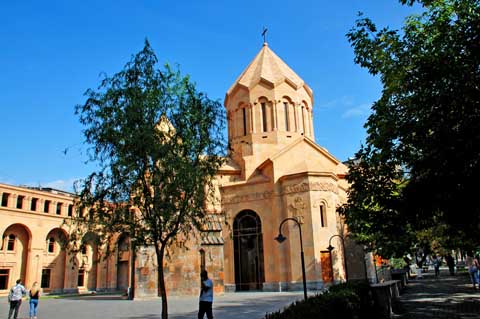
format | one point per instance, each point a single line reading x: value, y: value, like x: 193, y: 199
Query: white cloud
x: 361, y: 110
x: 342, y: 101
x: 65, y: 185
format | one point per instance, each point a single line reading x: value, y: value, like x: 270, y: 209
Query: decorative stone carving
x: 305, y: 187
x: 297, y: 209
x: 246, y: 197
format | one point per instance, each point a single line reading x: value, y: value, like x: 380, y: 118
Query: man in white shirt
x: 206, y: 296
x: 15, y: 298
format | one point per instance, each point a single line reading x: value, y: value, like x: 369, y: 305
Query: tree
x: 158, y: 144
x: 420, y: 161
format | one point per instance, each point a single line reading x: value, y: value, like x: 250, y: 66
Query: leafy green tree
x: 158, y: 144
x: 420, y: 163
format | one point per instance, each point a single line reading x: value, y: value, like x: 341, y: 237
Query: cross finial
x: 264, y: 34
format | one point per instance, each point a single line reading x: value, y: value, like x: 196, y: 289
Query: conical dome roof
x: 268, y: 67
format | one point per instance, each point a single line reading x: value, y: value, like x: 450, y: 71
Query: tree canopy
x: 420, y: 163
x: 158, y: 143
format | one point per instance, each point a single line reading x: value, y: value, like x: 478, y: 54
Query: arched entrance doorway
x: 248, y: 251
x: 123, y: 262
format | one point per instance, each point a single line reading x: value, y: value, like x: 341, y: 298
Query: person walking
x: 472, y: 269
x: 436, y: 265
x: 476, y: 270
x: 450, y: 264
x: 34, y: 296
x: 206, y: 296
x: 15, y: 298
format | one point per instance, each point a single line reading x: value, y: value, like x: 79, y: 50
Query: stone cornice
x: 308, y: 174
x: 312, y: 186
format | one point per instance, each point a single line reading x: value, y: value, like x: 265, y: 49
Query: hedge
x: 343, y: 301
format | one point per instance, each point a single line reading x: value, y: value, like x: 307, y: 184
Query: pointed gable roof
x: 268, y: 67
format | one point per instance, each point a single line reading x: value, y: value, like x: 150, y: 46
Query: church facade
x: 275, y: 172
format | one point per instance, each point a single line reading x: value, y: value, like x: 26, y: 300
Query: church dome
x: 268, y: 68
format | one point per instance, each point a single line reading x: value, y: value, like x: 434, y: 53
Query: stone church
x: 275, y: 171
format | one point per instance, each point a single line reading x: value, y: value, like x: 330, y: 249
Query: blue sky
x: 52, y: 51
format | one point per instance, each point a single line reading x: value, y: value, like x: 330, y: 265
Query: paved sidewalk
x: 448, y: 296
x: 228, y: 306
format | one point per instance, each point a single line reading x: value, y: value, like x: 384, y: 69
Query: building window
x: 70, y: 210
x: 81, y: 277
x: 59, y: 208
x: 264, y: 117
x: 20, y: 199
x: 11, y: 243
x: 46, y: 278
x: 5, y: 197
x: 244, y: 115
x: 33, y: 204
x: 46, y: 206
x: 287, y: 123
x: 51, y: 245
x: 323, y: 216
x: 4, y: 279
x: 84, y: 249
x: 303, y: 119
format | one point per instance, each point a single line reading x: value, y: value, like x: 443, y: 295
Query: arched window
x: 287, y: 115
x: 244, y: 118
x: 51, y: 245
x: 264, y: 117
x: 11, y: 243
x: 303, y: 119
x: 323, y: 216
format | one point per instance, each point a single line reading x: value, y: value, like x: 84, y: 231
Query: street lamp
x: 330, y: 248
x: 280, y: 238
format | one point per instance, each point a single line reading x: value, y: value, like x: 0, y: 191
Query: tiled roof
x: 267, y: 66
x: 212, y: 223
x: 212, y: 239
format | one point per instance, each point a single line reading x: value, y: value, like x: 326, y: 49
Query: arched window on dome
x: 287, y: 122
x: 264, y: 116
x: 243, y: 118
x: 287, y: 114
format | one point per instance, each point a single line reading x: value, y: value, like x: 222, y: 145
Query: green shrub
x: 343, y: 301
x: 397, y: 263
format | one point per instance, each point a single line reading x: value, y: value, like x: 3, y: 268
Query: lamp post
x: 330, y: 248
x: 280, y: 238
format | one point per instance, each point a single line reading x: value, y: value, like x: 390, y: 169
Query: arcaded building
x: 275, y: 171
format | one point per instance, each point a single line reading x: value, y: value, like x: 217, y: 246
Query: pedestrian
x: 206, y: 296
x: 34, y: 296
x: 472, y: 269
x: 15, y: 298
x: 450, y: 264
x: 476, y: 266
x: 436, y: 265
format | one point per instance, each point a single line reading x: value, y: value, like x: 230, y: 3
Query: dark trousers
x: 205, y: 307
x: 14, y: 306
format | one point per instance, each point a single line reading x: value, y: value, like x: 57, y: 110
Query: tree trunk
x: 162, y: 292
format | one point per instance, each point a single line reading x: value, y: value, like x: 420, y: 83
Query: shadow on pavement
x: 240, y: 310
x: 449, y: 297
